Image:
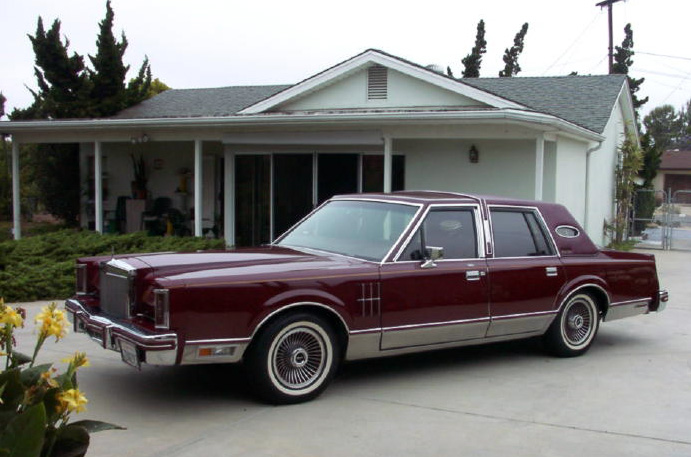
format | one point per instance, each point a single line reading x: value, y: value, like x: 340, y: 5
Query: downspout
x: 16, y: 203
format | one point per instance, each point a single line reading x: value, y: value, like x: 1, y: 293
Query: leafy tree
x: 664, y: 126
x: 630, y: 164
x: 473, y: 61
x: 511, y: 67
x: 622, y: 64
x: 2, y: 104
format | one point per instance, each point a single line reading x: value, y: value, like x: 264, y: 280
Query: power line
x: 662, y: 55
x: 578, y: 38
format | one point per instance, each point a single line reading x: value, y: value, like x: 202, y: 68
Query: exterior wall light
x: 473, y: 154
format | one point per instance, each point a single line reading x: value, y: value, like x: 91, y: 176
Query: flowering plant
x: 37, y: 403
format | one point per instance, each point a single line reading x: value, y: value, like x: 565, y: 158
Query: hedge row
x: 42, y: 267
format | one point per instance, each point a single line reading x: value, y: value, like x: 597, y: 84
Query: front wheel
x: 293, y: 359
x: 574, y: 329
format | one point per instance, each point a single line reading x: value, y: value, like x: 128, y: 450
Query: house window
x: 377, y: 83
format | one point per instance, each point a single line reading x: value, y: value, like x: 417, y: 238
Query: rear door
x: 525, y: 272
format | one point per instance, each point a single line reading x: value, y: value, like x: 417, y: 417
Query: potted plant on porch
x: 140, y: 179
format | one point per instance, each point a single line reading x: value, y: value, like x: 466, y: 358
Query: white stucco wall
x: 549, y: 174
x: 569, y: 176
x: 403, y: 91
x: 602, y: 165
x: 505, y: 168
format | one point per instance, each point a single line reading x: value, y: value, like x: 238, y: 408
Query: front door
x: 425, y: 302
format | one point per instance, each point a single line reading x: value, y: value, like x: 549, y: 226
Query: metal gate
x: 661, y: 220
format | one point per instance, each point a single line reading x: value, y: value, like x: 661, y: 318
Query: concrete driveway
x: 629, y: 396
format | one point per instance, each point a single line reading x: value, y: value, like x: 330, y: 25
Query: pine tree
x: 511, y: 67
x: 473, y: 61
x: 622, y: 64
x: 62, y: 80
x: 109, y: 71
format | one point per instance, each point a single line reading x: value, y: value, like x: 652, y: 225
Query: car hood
x: 239, y: 264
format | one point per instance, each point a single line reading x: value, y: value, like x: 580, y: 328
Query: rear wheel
x: 293, y: 359
x: 573, y: 331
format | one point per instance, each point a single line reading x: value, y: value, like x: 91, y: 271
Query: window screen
x: 518, y: 233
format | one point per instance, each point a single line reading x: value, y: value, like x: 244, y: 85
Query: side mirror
x: 432, y: 254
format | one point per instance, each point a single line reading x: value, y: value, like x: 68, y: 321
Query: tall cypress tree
x: 511, y: 67
x: 109, y: 71
x: 622, y: 64
x: 473, y: 61
x: 63, y: 85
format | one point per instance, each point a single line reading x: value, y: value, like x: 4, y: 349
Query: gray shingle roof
x: 583, y: 100
x: 586, y: 101
x: 217, y: 102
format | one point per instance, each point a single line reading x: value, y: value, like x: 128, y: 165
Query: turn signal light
x: 162, y: 308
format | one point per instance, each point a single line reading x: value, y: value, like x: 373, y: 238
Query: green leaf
x: 97, y: 426
x: 25, y: 433
x: 72, y: 441
x: 19, y: 359
x: 31, y: 376
x: 13, y: 393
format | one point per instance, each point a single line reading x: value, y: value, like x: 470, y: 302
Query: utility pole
x: 608, y: 4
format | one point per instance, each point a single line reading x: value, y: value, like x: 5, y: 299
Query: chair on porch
x: 155, y: 220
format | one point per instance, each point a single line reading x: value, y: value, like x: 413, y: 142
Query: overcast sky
x: 215, y: 43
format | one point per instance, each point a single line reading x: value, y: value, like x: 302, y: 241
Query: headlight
x: 162, y: 308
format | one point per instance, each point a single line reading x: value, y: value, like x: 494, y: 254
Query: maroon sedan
x: 363, y: 276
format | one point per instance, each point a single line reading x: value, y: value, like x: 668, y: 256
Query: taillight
x: 162, y: 308
x: 81, y: 274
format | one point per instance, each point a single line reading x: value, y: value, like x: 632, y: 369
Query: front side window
x: 518, y: 233
x: 452, y: 230
x: 361, y: 229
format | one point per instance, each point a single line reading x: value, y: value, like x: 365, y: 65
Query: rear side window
x: 519, y: 233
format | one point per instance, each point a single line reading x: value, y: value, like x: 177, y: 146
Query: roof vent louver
x: 377, y: 83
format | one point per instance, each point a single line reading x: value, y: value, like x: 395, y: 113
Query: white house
x: 254, y: 159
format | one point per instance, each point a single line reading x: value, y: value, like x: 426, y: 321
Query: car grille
x: 117, y: 288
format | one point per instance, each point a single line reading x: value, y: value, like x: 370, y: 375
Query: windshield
x: 361, y: 229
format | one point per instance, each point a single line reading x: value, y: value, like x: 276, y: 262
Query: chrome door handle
x: 552, y: 271
x: 474, y: 275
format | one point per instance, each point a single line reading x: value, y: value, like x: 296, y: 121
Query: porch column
x: 198, y: 176
x: 16, y: 203
x: 388, y: 160
x: 539, y: 166
x: 229, y: 196
x: 98, y: 187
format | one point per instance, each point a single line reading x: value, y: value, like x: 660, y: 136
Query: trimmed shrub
x: 42, y: 267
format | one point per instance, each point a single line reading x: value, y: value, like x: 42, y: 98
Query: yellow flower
x: 77, y: 360
x: 53, y: 322
x: 47, y: 378
x: 10, y: 316
x: 72, y: 400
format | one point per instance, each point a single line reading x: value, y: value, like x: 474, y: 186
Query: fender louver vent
x: 377, y: 83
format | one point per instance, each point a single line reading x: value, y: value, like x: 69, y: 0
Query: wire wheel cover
x: 578, y: 323
x: 299, y: 358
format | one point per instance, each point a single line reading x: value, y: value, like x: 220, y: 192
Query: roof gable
x: 353, y: 69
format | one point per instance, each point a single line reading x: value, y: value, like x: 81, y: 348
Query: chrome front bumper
x: 112, y: 333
